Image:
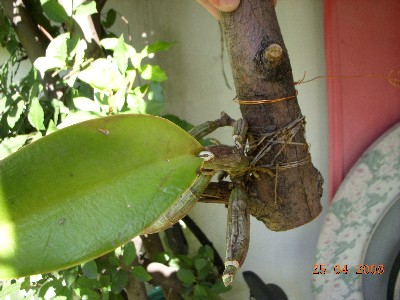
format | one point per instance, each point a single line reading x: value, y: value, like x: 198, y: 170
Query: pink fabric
x: 362, y: 37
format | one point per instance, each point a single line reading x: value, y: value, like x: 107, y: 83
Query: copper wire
x: 263, y: 101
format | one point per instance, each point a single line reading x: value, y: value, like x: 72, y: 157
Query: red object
x: 362, y: 37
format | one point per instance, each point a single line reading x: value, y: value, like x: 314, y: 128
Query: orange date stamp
x: 361, y: 269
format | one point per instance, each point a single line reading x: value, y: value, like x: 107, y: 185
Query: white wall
x: 197, y: 92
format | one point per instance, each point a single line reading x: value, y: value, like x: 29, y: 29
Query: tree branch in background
x: 31, y: 38
x: 96, y: 18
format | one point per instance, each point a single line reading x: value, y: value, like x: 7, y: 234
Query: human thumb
x: 225, y: 5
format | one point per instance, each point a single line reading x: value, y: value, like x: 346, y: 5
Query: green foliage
x: 83, y: 86
x: 198, y: 275
x: 103, y: 278
x: 69, y: 85
x: 107, y: 276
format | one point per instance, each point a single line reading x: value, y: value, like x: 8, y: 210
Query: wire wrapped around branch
x: 270, y: 140
x: 282, y: 137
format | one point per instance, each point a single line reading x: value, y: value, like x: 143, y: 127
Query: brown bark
x: 287, y: 193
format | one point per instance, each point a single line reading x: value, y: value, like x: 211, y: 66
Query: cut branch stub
x: 288, y: 188
x: 271, y: 62
x: 273, y: 54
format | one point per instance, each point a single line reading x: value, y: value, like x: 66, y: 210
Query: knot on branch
x: 271, y: 61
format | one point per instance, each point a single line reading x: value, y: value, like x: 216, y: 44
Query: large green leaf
x: 84, y: 190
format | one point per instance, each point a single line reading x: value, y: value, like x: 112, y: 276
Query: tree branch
x: 288, y: 187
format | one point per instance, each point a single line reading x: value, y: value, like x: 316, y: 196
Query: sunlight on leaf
x: 9, y: 290
x: 77, y: 117
x: 117, y: 101
x: 121, y: 54
x: 51, y: 127
x: 87, y: 8
x: 58, y: 47
x: 156, y: 47
x: 56, y: 55
x: 44, y: 64
x: 86, y: 104
x: 14, y: 113
x: 103, y: 74
x: 109, y: 43
x: 136, y: 104
x: 36, y: 114
x: 153, y: 73
x: 131, y: 168
x: 10, y: 145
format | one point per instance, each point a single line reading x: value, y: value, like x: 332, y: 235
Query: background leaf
x: 110, y: 18
x: 54, y: 11
x: 9, y: 290
x: 153, y: 73
x: 200, y: 264
x: 156, y: 47
x: 87, y: 8
x: 200, y: 291
x: 186, y: 276
x: 129, y: 253
x: 87, y: 294
x: 90, y: 269
x: 119, y: 281
x: 86, y: 104
x: 121, y: 54
x: 10, y: 145
x: 36, y: 114
x: 103, y: 74
x: 140, y: 273
x: 15, y: 112
x: 58, y: 47
x: 44, y: 64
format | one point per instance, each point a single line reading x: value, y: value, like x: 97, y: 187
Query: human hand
x: 213, y: 6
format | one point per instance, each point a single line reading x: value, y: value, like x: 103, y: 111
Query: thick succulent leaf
x: 84, y: 190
